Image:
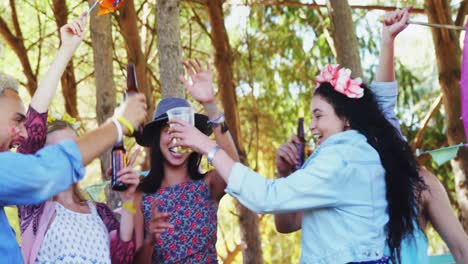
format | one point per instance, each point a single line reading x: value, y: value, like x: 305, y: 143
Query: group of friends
x: 359, y: 198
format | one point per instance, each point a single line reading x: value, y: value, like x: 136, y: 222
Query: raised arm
x: 394, y: 22
x: 261, y: 195
x: 201, y: 89
x: 31, y: 179
x: 71, y: 37
x: 385, y: 87
x: 36, y: 117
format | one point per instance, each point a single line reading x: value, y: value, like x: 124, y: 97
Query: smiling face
x: 325, y: 122
x: 12, y: 130
x: 165, y: 144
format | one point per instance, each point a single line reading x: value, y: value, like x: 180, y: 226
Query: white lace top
x: 75, y: 238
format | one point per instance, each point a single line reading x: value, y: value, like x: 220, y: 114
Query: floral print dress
x: 193, y: 238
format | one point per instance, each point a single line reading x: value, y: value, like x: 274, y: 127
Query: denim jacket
x: 341, y: 191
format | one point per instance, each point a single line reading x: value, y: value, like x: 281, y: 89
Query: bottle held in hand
x: 119, y: 160
x: 301, y: 146
x: 132, y: 89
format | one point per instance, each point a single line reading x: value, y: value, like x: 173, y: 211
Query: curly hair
x: 403, y: 183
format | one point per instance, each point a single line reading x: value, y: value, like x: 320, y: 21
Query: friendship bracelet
x: 217, y: 120
x: 129, y: 207
x: 119, y: 129
x: 211, y: 154
x: 127, y: 124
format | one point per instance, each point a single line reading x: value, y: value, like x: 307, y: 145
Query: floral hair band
x: 341, y: 81
x: 65, y: 118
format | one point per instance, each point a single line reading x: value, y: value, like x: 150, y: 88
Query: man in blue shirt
x: 29, y: 179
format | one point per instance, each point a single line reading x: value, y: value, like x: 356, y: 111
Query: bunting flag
x: 442, y: 155
x: 96, y: 191
x: 105, y: 6
x: 464, y: 84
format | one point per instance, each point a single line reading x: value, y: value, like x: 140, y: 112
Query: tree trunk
x: 170, y: 50
x: 448, y: 55
x: 344, y: 37
x: 16, y: 41
x: 101, y: 40
x: 68, y: 78
x: 248, y: 221
x: 128, y: 27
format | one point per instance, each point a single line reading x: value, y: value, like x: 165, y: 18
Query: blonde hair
x: 57, y: 125
x: 8, y: 82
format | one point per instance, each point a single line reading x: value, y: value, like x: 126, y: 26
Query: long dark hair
x: 152, y: 182
x: 403, y: 183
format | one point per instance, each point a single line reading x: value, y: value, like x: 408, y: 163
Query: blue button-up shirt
x: 31, y: 179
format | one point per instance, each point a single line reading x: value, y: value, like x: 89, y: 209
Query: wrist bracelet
x: 129, y: 207
x: 211, y: 154
x: 127, y: 124
x: 119, y: 129
x: 219, y: 121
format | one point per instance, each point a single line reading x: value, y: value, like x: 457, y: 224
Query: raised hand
x: 396, y: 21
x: 134, y: 110
x: 130, y: 177
x: 287, y: 156
x: 72, y: 33
x: 201, y: 87
x: 159, y: 222
x: 189, y: 136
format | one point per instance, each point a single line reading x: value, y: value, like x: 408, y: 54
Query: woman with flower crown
x: 356, y: 191
x: 67, y: 228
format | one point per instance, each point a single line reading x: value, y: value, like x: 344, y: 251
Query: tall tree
x: 448, y: 53
x: 344, y: 37
x: 170, y: 49
x: 127, y: 19
x: 248, y: 221
x: 15, y: 40
x: 68, y: 80
x: 101, y: 41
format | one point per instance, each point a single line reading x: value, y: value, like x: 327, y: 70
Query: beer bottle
x: 301, y: 146
x: 119, y: 160
x: 132, y: 88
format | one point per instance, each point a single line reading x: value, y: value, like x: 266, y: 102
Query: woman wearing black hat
x: 177, y: 220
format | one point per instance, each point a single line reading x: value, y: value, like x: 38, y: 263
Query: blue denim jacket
x: 31, y: 179
x: 413, y: 249
x: 340, y: 190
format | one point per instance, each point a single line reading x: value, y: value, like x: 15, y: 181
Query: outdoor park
x: 263, y: 59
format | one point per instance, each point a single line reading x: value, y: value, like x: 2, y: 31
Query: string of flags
x: 442, y: 155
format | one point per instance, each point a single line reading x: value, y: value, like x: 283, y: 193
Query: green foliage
x: 278, y: 51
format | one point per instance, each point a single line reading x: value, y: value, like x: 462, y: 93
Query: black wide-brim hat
x: 152, y: 129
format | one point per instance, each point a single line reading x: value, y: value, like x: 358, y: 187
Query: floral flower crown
x: 341, y: 81
x: 51, y: 117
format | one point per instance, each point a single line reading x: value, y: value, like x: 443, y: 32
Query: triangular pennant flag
x: 105, y: 6
x: 96, y: 191
x: 442, y: 155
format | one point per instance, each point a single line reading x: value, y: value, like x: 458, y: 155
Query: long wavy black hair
x: 403, y: 183
x: 152, y: 182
